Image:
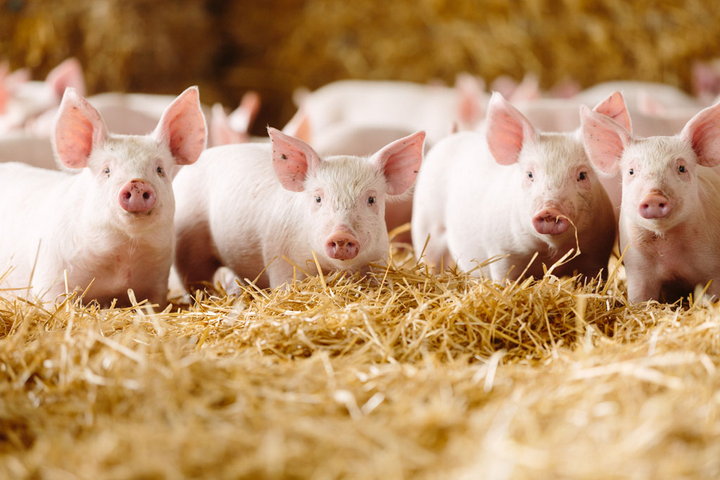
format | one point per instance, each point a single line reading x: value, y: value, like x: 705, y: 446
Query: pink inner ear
x: 507, y: 130
x: 703, y: 133
x: 182, y: 126
x: 78, y: 130
x: 604, y: 140
x: 292, y: 160
x: 614, y: 107
x: 400, y: 161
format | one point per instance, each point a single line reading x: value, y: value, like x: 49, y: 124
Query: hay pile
x: 275, y: 46
x: 401, y: 375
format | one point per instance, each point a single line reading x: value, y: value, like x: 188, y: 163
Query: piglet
x: 435, y: 109
x: 669, y: 225
x: 263, y: 209
x: 510, y: 192
x: 109, y: 227
x: 21, y: 100
x: 30, y: 149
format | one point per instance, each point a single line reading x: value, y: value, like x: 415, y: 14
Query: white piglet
x: 512, y: 191
x: 669, y: 223
x: 108, y: 227
x: 261, y: 209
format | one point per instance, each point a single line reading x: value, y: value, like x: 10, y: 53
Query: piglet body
x: 511, y: 191
x: 261, y: 209
x: 29, y: 149
x: 669, y: 220
x: 108, y: 227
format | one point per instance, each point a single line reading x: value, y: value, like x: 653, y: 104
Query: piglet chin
x: 550, y: 221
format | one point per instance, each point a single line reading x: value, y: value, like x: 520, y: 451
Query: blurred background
x: 275, y: 46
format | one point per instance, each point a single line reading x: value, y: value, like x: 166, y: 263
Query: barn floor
x: 402, y: 375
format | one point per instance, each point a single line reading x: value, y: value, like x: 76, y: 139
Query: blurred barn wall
x: 274, y: 46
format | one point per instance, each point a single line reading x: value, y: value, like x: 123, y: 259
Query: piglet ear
x: 292, y: 160
x: 400, y: 162
x: 527, y: 90
x: 703, y: 133
x: 614, y: 107
x: 706, y: 79
x: 507, y: 130
x: 79, y: 129
x: 220, y: 131
x: 604, y: 140
x: 182, y: 127
x: 471, y: 101
x: 4, y: 94
x: 18, y: 77
x: 242, y: 117
x: 68, y: 74
x: 299, y: 126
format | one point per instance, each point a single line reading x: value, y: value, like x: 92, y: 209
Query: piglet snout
x: 655, y: 205
x: 342, y: 245
x: 550, y: 221
x: 137, y: 196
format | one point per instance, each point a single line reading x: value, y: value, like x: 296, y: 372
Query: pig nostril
x: 127, y: 195
x: 146, y: 195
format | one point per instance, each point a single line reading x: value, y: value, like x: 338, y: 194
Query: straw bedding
x: 402, y: 374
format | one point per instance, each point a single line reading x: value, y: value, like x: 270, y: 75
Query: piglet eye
x: 318, y: 200
x: 682, y: 169
x: 530, y: 175
x: 371, y: 200
x: 582, y: 176
x: 160, y: 171
x: 631, y: 171
x: 106, y: 171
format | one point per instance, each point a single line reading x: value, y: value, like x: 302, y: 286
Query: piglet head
x: 556, y: 185
x: 128, y: 178
x: 660, y: 174
x: 345, y: 195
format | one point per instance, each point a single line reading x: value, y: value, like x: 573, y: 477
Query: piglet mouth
x: 550, y: 221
